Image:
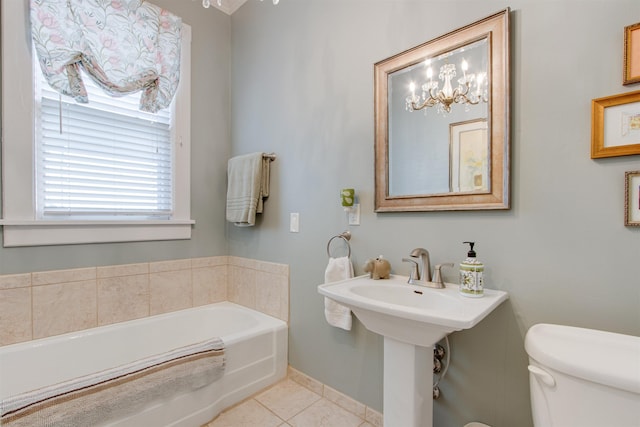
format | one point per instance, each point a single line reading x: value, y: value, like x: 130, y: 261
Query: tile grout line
x: 95, y: 284
x: 287, y: 378
x: 323, y: 386
x: 320, y: 398
x: 306, y: 407
x: 268, y: 409
x: 31, y: 297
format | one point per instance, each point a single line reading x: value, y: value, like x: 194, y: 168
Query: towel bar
x: 270, y: 156
x: 346, y: 236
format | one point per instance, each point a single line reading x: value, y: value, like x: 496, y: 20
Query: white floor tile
x: 287, y: 399
x: 324, y: 413
x: 247, y: 414
x: 288, y: 404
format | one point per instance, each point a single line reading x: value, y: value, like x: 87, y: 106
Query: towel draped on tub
x: 99, y: 398
x: 247, y: 187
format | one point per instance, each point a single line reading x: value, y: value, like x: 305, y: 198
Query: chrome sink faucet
x: 424, y: 269
x: 421, y: 271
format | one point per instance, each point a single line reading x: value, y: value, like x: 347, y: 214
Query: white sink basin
x: 412, y: 319
x: 412, y: 314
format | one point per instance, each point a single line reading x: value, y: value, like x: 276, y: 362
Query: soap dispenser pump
x: 471, y: 269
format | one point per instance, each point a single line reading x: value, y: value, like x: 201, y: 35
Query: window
x: 62, y: 188
x: 106, y: 159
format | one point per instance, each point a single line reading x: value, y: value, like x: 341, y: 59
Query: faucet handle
x: 414, y: 271
x: 437, y: 276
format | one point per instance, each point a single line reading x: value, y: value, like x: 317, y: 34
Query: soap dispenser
x: 471, y: 270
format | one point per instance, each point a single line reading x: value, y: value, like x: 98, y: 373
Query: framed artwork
x: 632, y: 198
x: 631, y: 54
x: 615, y: 125
x: 469, y: 156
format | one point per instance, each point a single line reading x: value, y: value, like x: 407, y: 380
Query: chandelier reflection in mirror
x: 207, y: 3
x: 471, y: 88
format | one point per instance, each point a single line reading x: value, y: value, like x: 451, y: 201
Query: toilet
x: 583, y: 377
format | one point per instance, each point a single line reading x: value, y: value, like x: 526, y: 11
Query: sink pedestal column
x: 408, y: 384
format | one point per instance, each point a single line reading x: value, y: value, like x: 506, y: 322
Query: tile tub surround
x: 298, y: 400
x: 41, y: 304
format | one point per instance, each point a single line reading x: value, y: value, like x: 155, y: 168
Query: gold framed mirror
x: 442, y: 122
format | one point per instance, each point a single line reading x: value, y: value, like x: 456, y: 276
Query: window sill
x: 44, y: 233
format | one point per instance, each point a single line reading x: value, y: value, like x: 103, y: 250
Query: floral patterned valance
x: 124, y: 45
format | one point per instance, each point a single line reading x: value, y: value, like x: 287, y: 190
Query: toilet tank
x: 583, y: 377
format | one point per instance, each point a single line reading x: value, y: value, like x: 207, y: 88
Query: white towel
x: 247, y: 187
x: 337, y: 314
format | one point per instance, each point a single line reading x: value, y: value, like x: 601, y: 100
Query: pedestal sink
x: 412, y: 320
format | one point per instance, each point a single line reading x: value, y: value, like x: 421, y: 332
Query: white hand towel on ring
x: 337, y: 314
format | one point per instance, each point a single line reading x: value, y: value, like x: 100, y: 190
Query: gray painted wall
x: 302, y: 86
x: 210, y: 148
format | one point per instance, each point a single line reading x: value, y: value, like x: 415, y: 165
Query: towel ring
x: 346, y: 236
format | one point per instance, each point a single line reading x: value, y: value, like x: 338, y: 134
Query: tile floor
x: 287, y: 404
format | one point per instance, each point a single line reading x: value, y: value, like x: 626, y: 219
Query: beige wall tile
x: 213, y: 261
x: 272, y: 267
x: 63, y: 276
x: 15, y: 315
x: 242, y: 286
x: 11, y: 281
x: 122, y: 270
x: 272, y: 295
x: 170, y: 291
x: 123, y: 298
x: 344, y: 401
x: 171, y: 265
x: 209, y: 284
x: 64, y: 307
x: 373, y: 417
x: 243, y: 262
x: 306, y: 381
x: 87, y: 297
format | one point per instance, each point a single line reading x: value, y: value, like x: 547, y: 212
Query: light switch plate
x: 354, y: 214
x: 294, y: 222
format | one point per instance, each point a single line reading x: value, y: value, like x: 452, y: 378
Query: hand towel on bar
x: 247, y: 187
x: 337, y: 314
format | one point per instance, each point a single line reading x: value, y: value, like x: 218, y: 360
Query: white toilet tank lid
x: 602, y: 357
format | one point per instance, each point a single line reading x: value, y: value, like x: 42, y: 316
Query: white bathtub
x: 255, y: 351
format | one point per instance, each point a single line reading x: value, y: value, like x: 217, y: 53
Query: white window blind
x: 102, y: 160
x: 22, y: 223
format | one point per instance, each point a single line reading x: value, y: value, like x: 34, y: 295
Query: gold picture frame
x: 632, y: 198
x: 615, y: 125
x: 631, y: 54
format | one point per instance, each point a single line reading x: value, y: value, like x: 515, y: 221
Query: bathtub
x: 255, y: 357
